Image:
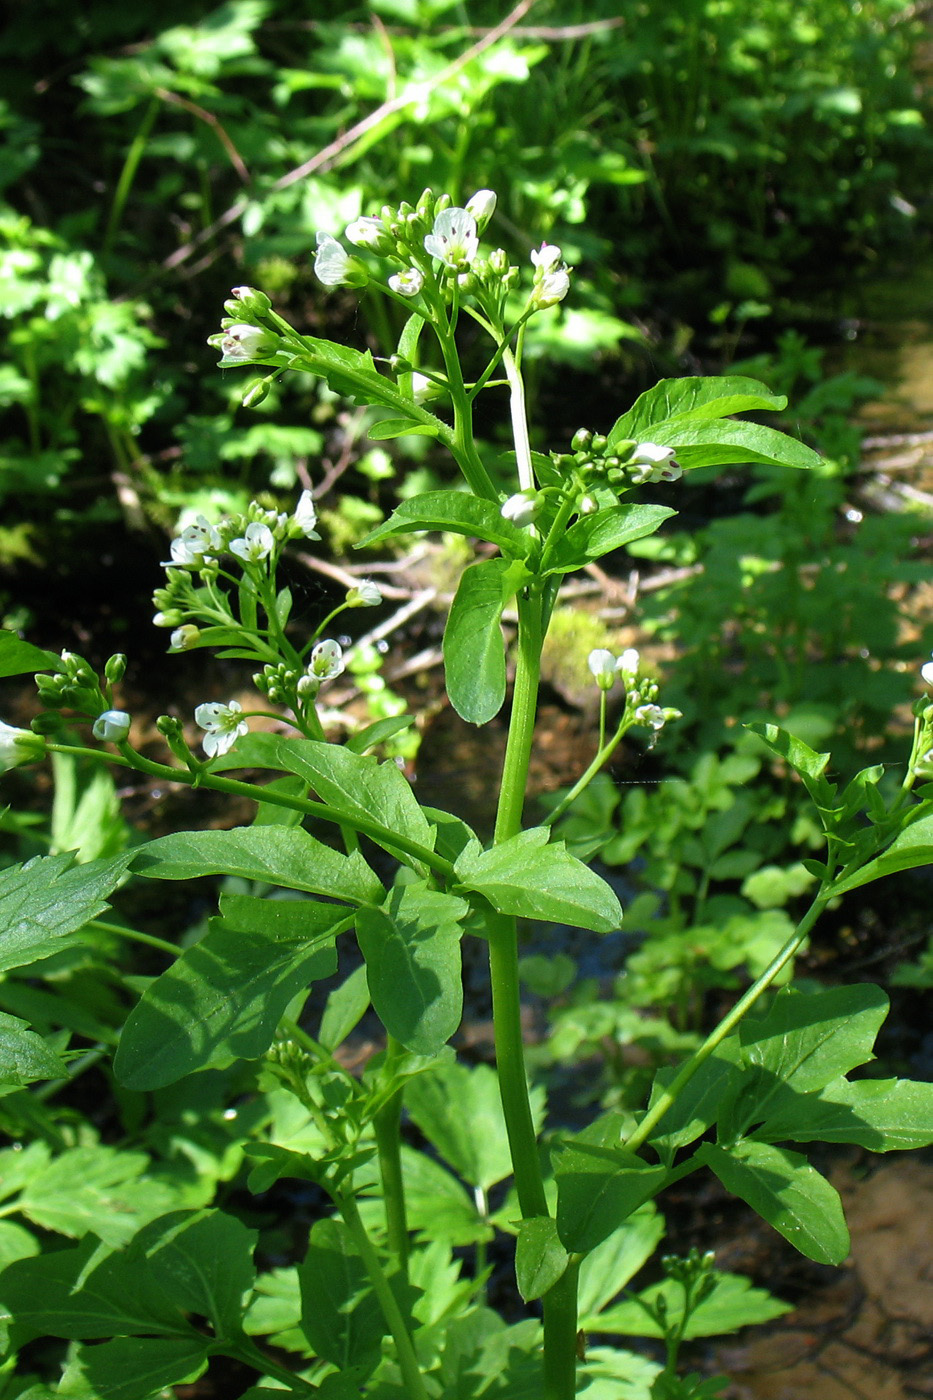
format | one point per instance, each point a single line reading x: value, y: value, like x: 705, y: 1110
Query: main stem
x: 387, y: 1127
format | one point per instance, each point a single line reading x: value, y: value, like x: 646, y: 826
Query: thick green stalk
x: 654, y: 1115
x: 522, y: 721
x: 560, y: 1336
x: 408, y: 1362
x: 387, y: 1125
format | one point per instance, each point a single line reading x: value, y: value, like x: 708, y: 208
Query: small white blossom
x: 19, y: 746
x: 588, y: 506
x: 305, y: 516
x: 326, y: 661
x: 242, y: 341
x: 552, y: 288
x: 112, y: 725
x: 927, y: 672
x: 364, y: 594
x: 194, y: 542
x: 628, y: 664
x: 546, y: 258
x: 423, y: 388
x: 407, y: 283
x: 650, y: 715
x: 521, y: 509
x: 367, y: 232
x: 650, y: 454
x: 223, y: 726
x: 602, y: 664
x: 482, y: 206
x: 454, y: 238
x: 255, y: 545
x: 331, y: 261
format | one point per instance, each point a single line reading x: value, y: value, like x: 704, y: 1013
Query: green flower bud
x: 115, y: 669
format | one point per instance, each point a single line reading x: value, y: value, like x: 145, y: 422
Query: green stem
x: 136, y: 937
x: 654, y: 1115
x: 247, y: 1351
x: 387, y: 1127
x: 390, y: 841
x: 522, y: 721
x: 560, y: 1335
x: 127, y: 175
x: 408, y: 1362
x: 603, y: 755
x: 510, y: 1064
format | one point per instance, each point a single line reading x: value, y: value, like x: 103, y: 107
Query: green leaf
x: 474, y: 649
x: 459, y: 1110
x: 203, y: 1260
x: 353, y: 373
x: 455, y: 512
x: 595, y: 535
x: 693, y: 398
x: 345, y: 1007
x: 412, y: 951
x: 224, y: 997
x: 540, y: 1258
x: 599, y: 1183
x: 732, y: 440
x: 912, y: 848
x: 733, y: 1303
x: 807, y: 1040
x: 339, y: 1313
x: 607, y: 1269
x: 787, y: 1192
x: 48, y: 898
x: 378, y: 732
x: 134, y: 1368
x: 881, y: 1115
x: 700, y: 1102
x: 19, y: 658
x: 401, y: 427
x: 95, y: 1188
x: 276, y: 855
x: 85, y: 1292
x: 532, y: 878
x: 24, y: 1055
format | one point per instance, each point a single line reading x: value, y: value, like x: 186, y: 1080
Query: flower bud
x: 522, y: 508
x: 256, y: 390
x: 246, y: 301
x: 482, y: 206
x: 115, y: 669
x: 184, y: 638
x: 602, y: 665
x: 170, y: 618
x: 46, y: 724
x: 368, y: 232
x: 581, y: 440
x: 243, y: 342
x: 113, y: 726
x: 19, y: 746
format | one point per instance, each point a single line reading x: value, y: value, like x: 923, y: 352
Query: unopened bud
x: 115, y: 669
x: 112, y: 726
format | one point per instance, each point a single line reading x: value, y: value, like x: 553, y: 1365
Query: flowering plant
x: 375, y: 1304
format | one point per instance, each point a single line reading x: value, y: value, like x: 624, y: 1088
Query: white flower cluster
x: 641, y: 693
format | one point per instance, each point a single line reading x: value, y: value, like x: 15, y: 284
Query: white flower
x: 588, y: 506
x: 256, y: 544
x: 546, y: 258
x: 927, y: 672
x: 628, y: 663
x: 194, y: 542
x: 112, y: 725
x: 650, y: 715
x: 649, y: 454
x: 331, y: 262
x: 407, y: 283
x: 423, y: 388
x: 326, y: 661
x: 364, y: 594
x: 552, y: 288
x: 522, y: 508
x: 602, y: 664
x: 245, y: 342
x: 364, y: 233
x: 19, y: 746
x: 454, y: 238
x: 305, y: 516
x: 223, y: 725
x: 481, y: 206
